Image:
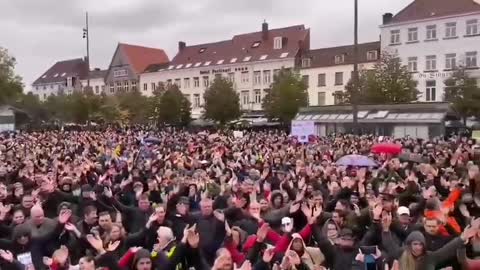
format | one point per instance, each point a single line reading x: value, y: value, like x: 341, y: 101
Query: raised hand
x: 6, y: 255
x: 193, y: 238
x: 95, y: 242
x: 113, y: 245
x: 64, y: 216
x: 268, y: 255
x: 262, y: 232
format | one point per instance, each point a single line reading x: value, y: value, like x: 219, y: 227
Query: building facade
x: 328, y: 70
x: 97, y: 81
x: 63, y: 77
x: 249, y: 61
x: 128, y: 62
x: 433, y: 38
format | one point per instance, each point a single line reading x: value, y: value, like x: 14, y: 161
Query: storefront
x: 418, y: 120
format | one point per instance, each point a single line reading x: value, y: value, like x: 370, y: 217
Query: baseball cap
x: 403, y: 210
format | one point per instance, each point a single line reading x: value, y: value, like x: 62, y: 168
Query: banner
x: 303, y: 129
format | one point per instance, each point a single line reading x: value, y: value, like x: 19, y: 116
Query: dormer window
x: 256, y: 44
x: 306, y: 62
x: 198, y: 64
x: 207, y: 63
x: 188, y: 65
x: 263, y: 57
x: 277, y: 43
x: 44, y: 76
x: 233, y: 60
x: 339, y: 59
x: 247, y: 58
x: 171, y: 67
x: 372, y: 55
x: 202, y: 50
x: 180, y: 66
x: 284, y: 55
x: 56, y: 75
x: 219, y: 62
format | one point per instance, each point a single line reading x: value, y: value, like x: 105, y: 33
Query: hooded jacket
x: 310, y: 256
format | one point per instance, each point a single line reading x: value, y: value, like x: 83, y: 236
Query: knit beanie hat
x: 415, y: 236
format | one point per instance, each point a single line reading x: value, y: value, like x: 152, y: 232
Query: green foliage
x: 10, y: 84
x: 288, y: 94
x: 222, y: 103
x: 173, y: 107
x: 389, y: 82
x: 464, y: 94
x: 137, y: 106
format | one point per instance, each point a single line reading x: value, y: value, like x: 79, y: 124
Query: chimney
x: 181, y: 45
x: 264, y: 30
x: 387, y: 18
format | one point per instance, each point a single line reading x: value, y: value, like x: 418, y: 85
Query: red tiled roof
x: 240, y: 46
x: 68, y: 68
x: 424, y: 9
x: 142, y: 57
x: 325, y: 57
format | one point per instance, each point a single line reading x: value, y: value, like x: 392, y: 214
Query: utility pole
x: 86, y: 35
x: 353, y: 95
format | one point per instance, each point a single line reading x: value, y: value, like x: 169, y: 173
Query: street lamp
x: 86, y: 36
x: 353, y: 95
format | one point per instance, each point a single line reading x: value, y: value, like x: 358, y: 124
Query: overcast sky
x: 40, y: 32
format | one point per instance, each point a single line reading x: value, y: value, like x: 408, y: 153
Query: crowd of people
x: 173, y: 200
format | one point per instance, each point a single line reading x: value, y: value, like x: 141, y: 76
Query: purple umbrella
x: 356, y: 160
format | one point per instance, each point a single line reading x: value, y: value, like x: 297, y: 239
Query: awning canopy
x: 373, y: 117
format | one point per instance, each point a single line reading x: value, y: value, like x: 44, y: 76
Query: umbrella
x: 151, y: 140
x: 387, y: 148
x: 356, y: 160
x: 412, y: 157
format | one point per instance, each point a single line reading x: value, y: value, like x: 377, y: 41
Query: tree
x: 287, y: 95
x: 222, y: 103
x: 464, y: 94
x: 389, y: 82
x: 10, y: 84
x: 174, y: 107
x: 136, y: 105
x: 32, y: 106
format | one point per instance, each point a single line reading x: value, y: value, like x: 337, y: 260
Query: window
x: 197, y: 64
x: 321, y: 98
x: 103, y: 88
x: 306, y: 62
x: 412, y: 64
x: 277, y: 43
x: 125, y: 85
x: 267, y: 77
x: 63, y: 75
x: 134, y: 85
x: 179, y: 66
x: 188, y: 65
x: 196, y: 82
x: 257, y: 78
x: 258, y: 96
x: 338, y: 78
x: 56, y: 75
x: 472, y: 27
x: 207, y: 63
x: 97, y: 89
x: 153, y: 86
x: 206, y: 82
x: 431, y: 32
x: 339, y: 59
x: 431, y: 91
x: 471, y: 59
x: 284, y: 55
x: 186, y: 82
x: 116, y: 73
x: 337, y: 97
x: 196, y: 100
x: 322, y: 79
x: 233, y: 60
x: 219, y: 62
x: 412, y: 34
x: 171, y: 67
x: 231, y: 77
x: 118, y: 86
x: 247, y: 58
x: 450, y: 30
x: 169, y: 82
x: 202, y: 50
x: 244, y: 77
x: 263, y: 57
x: 394, y: 37
x: 372, y: 55
x: 450, y: 61
x: 178, y: 83
x: 305, y: 80
x: 112, y: 87
x: 256, y: 44
x: 245, y: 97
x: 431, y: 63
